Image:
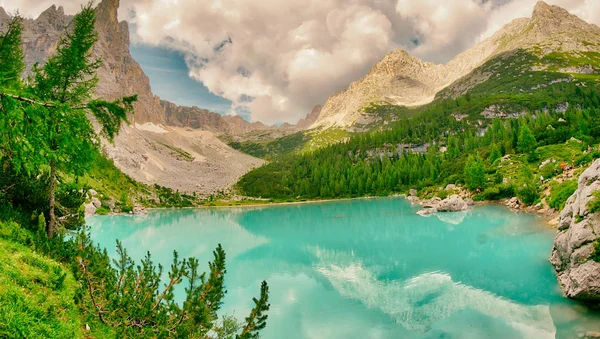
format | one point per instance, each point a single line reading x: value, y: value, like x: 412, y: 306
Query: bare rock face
x: 578, y: 232
x: 194, y: 117
x: 402, y: 79
x: 119, y: 74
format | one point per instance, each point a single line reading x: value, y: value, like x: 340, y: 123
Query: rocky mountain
x: 119, y: 73
x: 401, y: 79
x: 149, y: 150
x: 578, y: 239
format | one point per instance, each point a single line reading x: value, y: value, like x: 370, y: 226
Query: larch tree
x: 55, y: 107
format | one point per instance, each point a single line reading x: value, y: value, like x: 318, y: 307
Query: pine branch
x: 39, y: 103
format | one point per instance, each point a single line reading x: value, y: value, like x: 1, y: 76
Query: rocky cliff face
x: 147, y: 150
x: 401, y: 79
x: 119, y: 74
x: 574, y: 245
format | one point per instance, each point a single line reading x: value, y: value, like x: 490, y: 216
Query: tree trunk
x: 52, y: 222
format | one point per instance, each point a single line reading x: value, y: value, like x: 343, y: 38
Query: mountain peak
x: 544, y: 12
x: 108, y: 11
x: 52, y: 14
x: 3, y: 15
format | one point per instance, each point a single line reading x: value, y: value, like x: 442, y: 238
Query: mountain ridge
x: 402, y: 79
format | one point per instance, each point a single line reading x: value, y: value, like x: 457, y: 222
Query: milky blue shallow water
x: 371, y: 268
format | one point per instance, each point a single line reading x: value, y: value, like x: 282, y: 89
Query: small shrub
x: 596, y: 254
x: 496, y: 193
x: 594, y: 204
x: 528, y: 194
x: 443, y: 194
x: 560, y: 193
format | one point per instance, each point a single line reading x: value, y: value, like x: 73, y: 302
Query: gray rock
x: 412, y: 192
x: 513, y: 203
x: 139, y: 210
x: 96, y: 202
x: 576, y: 239
x: 453, y: 203
x: 93, y: 192
x: 90, y: 209
x: 450, y: 187
x: 427, y: 212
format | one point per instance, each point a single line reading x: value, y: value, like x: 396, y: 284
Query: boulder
x: 90, y: 209
x: 93, y: 192
x: 139, y: 209
x: 110, y: 204
x: 450, y: 187
x: 513, y: 203
x: 96, y: 202
x: 453, y: 203
x: 412, y: 192
x: 427, y: 211
x: 574, y: 245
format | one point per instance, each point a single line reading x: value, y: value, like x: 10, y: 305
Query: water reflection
x: 370, y: 268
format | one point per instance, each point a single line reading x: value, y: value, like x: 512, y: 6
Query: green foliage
x: 132, y: 299
x: 53, y: 133
x: 269, y: 148
x: 257, y: 320
x: 11, y: 54
x: 528, y: 194
x: 494, y: 193
x: 526, y: 143
x: 560, y: 193
x: 474, y: 173
x: 494, y: 154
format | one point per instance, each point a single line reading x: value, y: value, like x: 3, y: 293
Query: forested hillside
x: 491, y: 134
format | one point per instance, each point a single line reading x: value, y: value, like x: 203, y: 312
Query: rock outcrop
x: 402, y: 79
x: 453, y: 203
x: 578, y: 234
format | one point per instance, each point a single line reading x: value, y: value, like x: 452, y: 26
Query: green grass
x: 36, y: 295
x: 324, y: 138
x: 272, y: 148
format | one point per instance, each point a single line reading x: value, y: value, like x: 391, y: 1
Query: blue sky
x: 169, y: 78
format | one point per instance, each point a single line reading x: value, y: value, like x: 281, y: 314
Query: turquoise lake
x: 371, y: 268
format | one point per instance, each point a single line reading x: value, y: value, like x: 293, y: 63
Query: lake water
x: 371, y: 268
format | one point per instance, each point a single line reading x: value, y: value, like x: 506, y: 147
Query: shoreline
x: 547, y: 219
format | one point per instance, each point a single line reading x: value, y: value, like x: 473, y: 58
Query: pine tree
x: 55, y: 107
x: 11, y: 54
x: 526, y: 142
x: 474, y: 173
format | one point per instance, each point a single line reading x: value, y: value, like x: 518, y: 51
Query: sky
x: 273, y: 60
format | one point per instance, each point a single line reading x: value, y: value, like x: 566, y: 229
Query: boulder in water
x: 453, y: 203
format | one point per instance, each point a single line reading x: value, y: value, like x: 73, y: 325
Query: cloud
x: 278, y: 58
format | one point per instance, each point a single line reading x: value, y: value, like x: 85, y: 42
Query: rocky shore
x: 577, y: 245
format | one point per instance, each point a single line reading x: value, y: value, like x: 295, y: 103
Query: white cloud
x: 288, y: 55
